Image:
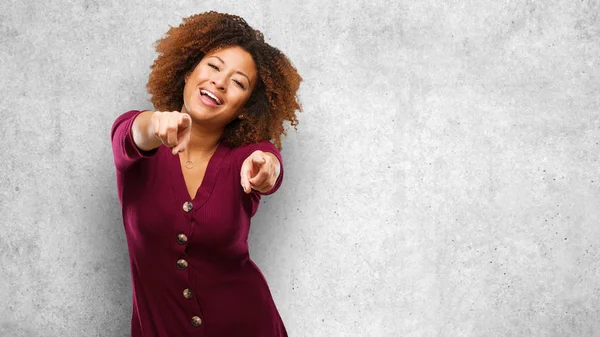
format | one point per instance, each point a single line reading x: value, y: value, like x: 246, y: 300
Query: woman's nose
x: 218, y: 82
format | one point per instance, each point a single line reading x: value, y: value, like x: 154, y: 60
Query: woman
x: 191, y: 174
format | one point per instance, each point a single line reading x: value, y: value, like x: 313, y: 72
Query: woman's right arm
x: 137, y: 135
x: 152, y: 128
x: 143, y: 132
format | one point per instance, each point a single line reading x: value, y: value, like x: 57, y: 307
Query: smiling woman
x: 204, y: 97
x: 273, y: 100
x: 191, y: 174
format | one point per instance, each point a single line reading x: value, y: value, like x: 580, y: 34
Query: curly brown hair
x: 273, y: 100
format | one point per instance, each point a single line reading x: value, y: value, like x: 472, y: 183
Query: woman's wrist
x: 142, y: 132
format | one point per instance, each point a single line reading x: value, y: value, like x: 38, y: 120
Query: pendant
x: 189, y: 164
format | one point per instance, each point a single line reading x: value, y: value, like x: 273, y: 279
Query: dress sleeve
x: 266, y: 146
x: 125, y: 152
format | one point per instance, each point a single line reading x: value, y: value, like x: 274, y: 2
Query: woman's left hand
x: 259, y: 172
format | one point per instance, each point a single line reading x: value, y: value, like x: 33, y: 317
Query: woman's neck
x: 202, y: 141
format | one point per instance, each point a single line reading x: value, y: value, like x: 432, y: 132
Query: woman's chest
x: 193, y: 175
x: 216, y: 216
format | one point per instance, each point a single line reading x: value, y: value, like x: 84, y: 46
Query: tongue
x: 210, y: 98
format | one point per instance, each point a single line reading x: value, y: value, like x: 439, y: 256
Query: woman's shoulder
x: 125, y: 116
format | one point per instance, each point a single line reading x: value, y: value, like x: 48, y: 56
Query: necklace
x: 189, y: 164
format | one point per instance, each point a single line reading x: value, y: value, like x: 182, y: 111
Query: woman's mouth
x: 209, y: 98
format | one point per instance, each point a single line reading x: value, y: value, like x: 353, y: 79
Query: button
x: 181, y: 239
x: 196, y: 321
x: 182, y: 264
x: 187, y: 206
x: 188, y: 294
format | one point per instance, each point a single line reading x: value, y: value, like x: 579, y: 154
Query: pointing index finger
x: 185, y: 120
x: 245, y: 175
x: 259, y: 160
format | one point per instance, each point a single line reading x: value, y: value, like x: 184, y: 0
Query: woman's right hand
x: 172, y: 128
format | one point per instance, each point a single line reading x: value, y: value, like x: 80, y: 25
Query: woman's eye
x: 239, y: 84
x: 213, y: 66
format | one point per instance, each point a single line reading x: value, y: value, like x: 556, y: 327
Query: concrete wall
x: 443, y: 181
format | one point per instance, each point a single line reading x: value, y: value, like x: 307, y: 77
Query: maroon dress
x: 190, y: 268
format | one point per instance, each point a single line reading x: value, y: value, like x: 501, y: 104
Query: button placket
x: 182, y: 264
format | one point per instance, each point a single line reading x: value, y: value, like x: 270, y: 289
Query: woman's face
x: 219, y: 86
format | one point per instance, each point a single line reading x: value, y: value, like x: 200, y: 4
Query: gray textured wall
x: 443, y: 180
